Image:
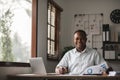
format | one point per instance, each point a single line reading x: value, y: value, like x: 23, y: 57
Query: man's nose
x: 79, y: 40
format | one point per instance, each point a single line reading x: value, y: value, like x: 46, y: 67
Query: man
x: 80, y: 58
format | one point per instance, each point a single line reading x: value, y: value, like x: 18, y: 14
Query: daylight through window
x: 15, y: 30
x: 53, y: 30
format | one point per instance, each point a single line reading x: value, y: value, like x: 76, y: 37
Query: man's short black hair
x: 81, y: 31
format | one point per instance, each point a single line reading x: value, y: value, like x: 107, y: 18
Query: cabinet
x: 111, y: 50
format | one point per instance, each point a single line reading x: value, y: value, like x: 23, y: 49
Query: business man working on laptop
x: 80, y: 58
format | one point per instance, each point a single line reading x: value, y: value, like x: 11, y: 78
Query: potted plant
x: 66, y: 49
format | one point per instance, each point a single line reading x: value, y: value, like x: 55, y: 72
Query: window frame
x: 34, y: 40
x: 57, y: 30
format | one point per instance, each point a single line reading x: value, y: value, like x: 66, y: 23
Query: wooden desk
x: 60, y: 77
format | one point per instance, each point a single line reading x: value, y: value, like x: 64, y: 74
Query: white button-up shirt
x: 77, y: 62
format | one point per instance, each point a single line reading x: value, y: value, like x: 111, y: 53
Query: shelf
x: 111, y: 50
x: 110, y: 42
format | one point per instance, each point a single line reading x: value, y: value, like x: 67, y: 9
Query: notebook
x: 37, y: 66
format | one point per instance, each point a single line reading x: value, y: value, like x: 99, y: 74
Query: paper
x: 112, y: 73
x: 97, y: 69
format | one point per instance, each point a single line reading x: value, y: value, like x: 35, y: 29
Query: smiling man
x: 77, y: 60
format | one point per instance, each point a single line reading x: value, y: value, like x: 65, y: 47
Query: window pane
x: 48, y: 31
x: 52, y: 47
x: 53, y: 33
x: 53, y: 16
x: 48, y: 46
x: 49, y: 10
x: 15, y: 30
x: 49, y: 16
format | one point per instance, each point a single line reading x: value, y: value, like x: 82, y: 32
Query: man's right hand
x: 61, y: 70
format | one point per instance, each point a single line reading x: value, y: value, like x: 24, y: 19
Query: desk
x: 60, y: 77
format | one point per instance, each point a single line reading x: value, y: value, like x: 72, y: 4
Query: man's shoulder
x: 71, y: 51
x: 91, y: 50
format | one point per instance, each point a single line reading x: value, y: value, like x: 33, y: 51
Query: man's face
x: 80, y: 41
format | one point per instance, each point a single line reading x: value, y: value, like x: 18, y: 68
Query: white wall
x: 4, y: 71
x: 85, y: 6
x: 70, y: 7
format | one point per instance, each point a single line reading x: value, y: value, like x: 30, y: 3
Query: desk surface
x: 66, y: 76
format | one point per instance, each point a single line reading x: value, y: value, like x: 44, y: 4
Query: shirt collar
x: 85, y: 50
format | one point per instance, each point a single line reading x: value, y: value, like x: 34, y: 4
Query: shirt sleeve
x: 64, y: 61
x: 98, y: 58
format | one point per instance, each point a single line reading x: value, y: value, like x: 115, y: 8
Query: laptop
x: 37, y: 66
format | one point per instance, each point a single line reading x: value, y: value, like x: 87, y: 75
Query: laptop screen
x: 37, y: 65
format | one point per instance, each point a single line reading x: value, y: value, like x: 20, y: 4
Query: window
x: 17, y: 30
x: 53, y: 30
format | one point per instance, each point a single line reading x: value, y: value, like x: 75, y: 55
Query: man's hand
x: 61, y: 70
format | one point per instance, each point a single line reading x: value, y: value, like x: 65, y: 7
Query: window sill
x: 14, y: 64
